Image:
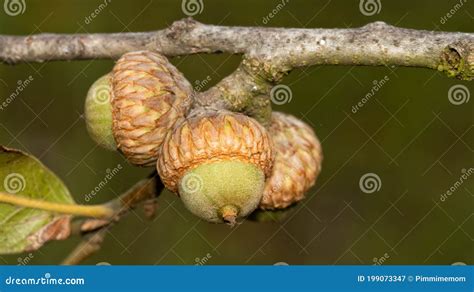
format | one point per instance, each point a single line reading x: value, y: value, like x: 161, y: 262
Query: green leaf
x: 23, y: 229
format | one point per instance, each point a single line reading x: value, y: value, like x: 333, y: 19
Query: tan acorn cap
x: 210, y: 136
x: 298, y: 158
x: 149, y: 96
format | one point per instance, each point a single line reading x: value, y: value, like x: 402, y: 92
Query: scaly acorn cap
x: 217, y: 161
x: 149, y: 97
x: 298, y: 158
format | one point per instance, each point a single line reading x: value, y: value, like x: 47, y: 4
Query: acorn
x: 147, y: 97
x: 217, y: 162
x: 98, y: 112
x: 298, y: 158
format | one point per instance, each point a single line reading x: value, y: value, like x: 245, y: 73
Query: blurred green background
x: 409, y: 134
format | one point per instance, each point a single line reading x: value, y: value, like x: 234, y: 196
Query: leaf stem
x: 96, y: 211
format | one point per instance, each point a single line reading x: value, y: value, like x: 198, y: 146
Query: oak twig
x: 269, y: 53
x: 276, y: 49
x: 94, y: 230
x: 89, y: 245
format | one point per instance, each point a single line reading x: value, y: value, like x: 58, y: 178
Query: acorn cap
x: 298, y: 158
x: 210, y: 136
x: 149, y: 96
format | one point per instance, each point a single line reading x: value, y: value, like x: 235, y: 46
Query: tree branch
x: 273, y: 51
x: 141, y: 192
x: 87, y: 247
x: 94, y: 230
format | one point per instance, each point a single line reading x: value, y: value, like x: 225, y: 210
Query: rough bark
x: 273, y: 50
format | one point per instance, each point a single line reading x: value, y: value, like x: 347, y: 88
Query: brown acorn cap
x: 149, y: 96
x: 298, y: 158
x: 211, y: 135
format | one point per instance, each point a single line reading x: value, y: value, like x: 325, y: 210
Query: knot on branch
x: 457, y: 60
x: 377, y: 25
x: 181, y: 27
x: 265, y: 71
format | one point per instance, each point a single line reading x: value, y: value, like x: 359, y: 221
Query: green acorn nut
x: 132, y: 108
x: 98, y: 113
x: 217, y: 162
